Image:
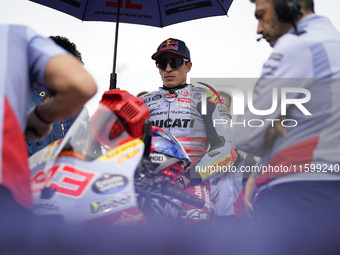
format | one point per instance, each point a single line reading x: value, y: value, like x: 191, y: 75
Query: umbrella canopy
x: 158, y: 13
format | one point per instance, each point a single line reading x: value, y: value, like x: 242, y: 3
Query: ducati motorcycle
x: 111, y: 168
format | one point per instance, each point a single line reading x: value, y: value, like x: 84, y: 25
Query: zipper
x: 169, y: 108
x: 62, y: 129
x: 171, y: 91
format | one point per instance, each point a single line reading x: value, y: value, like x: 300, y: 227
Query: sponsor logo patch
x: 157, y: 158
x: 154, y: 105
x: 186, y: 94
x: 110, y: 204
x: 110, y: 184
x: 213, y: 154
x: 183, y: 105
x: 197, y: 95
x: 184, y: 100
x: 170, y: 95
x: 158, y: 96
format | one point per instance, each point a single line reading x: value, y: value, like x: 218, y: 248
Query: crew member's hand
x: 239, y: 155
x: 37, y: 128
x: 274, y: 132
x: 248, y: 208
x: 182, y: 183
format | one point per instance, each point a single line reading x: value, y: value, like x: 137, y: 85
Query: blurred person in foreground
x: 28, y: 59
x: 299, y: 182
x: 41, y: 94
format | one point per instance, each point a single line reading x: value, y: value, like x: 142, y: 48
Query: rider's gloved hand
x: 182, y: 183
x: 37, y: 128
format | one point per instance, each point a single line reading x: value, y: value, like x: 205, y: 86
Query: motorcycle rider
x: 177, y: 108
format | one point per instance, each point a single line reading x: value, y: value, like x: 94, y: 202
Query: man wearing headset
x: 301, y: 180
x: 177, y: 107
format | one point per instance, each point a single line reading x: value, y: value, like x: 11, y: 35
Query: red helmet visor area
x: 173, y: 171
x: 167, y: 155
x: 130, y: 109
x: 124, y: 118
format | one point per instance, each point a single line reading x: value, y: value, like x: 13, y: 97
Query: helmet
x: 167, y: 155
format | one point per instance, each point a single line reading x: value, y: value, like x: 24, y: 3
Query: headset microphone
x: 260, y: 38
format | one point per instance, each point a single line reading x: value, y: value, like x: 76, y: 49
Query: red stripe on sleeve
x: 296, y: 155
x: 15, y: 169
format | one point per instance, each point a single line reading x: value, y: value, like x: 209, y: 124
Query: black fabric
x: 287, y: 10
x: 298, y: 218
x: 317, y: 202
x: 13, y: 213
x: 178, y: 87
x: 10, y: 208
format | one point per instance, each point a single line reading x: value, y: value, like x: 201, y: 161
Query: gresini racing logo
x: 238, y: 103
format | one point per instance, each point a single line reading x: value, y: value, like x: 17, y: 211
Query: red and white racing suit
x: 205, y: 137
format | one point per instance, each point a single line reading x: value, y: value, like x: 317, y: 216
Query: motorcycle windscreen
x: 89, y: 175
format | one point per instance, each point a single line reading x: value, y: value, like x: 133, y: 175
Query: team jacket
x: 205, y: 137
x: 309, y: 61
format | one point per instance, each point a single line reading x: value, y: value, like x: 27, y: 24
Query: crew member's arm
x: 72, y: 85
x: 285, y: 62
x: 249, y: 190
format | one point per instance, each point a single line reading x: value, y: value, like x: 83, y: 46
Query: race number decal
x: 39, y: 181
x: 70, y: 181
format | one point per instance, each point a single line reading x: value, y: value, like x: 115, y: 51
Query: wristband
x: 39, y: 117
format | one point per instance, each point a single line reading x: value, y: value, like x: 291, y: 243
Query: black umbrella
x: 158, y: 13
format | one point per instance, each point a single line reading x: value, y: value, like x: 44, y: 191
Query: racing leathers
x: 202, y: 128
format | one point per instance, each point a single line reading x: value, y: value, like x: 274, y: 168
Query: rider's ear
x: 188, y: 66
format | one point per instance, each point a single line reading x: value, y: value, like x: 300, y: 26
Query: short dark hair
x: 306, y: 5
x: 67, y: 45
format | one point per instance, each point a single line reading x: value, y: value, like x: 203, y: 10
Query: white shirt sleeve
x: 283, y: 72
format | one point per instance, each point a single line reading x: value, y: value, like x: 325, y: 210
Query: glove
x: 36, y: 128
x: 182, y: 183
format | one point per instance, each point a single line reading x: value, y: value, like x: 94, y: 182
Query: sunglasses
x: 175, y: 63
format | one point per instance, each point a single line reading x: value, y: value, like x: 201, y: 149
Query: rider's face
x: 268, y: 26
x: 172, y: 78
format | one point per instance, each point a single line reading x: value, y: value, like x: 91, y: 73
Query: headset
x: 287, y: 10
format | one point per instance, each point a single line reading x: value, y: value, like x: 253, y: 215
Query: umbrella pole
x: 113, y: 78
